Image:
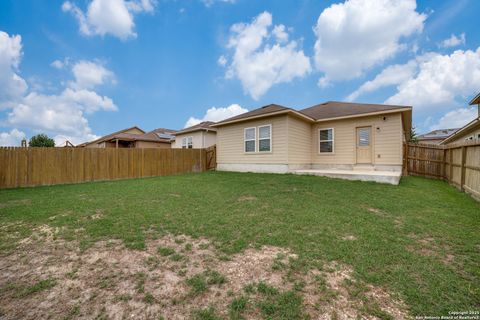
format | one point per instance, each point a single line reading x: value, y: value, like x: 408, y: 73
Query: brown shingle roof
x: 164, y: 130
x: 150, y: 136
x: 271, y: 108
x: 335, y: 109
x: 205, y: 125
x: 109, y: 136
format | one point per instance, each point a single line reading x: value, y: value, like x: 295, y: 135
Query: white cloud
x: 209, y: 3
x: 114, y: 17
x: 280, y: 33
x: 440, y: 80
x: 217, y: 114
x: 12, y: 86
x: 62, y: 114
x: 392, y: 75
x: 57, y: 64
x: 57, y: 115
x: 358, y: 34
x: 12, y: 138
x: 89, y: 74
x: 455, y: 119
x: 453, y: 41
x: 222, y: 61
x: 258, y: 63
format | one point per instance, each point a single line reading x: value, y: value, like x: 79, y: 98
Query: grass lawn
x: 419, y: 241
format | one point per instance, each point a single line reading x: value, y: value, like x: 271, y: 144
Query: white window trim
x: 271, y: 142
x: 245, y: 140
x: 191, y: 140
x: 333, y: 141
x: 184, y: 143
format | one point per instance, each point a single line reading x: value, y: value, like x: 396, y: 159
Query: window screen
x: 326, y: 140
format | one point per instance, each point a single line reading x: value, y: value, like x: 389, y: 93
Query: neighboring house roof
x: 439, y: 134
x: 335, y: 109
x: 109, y: 136
x: 475, y: 100
x: 469, y: 127
x: 205, y: 126
x: 150, y: 137
x: 164, y: 133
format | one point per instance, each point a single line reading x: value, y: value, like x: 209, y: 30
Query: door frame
x: 372, y: 144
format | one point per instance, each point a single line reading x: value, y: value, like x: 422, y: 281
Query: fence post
x: 444, y: 163
x: 405, y: 159
x: 464, y: 160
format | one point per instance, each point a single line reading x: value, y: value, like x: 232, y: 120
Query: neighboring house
x: 331, y: 135
x: 201, y: 135
x: 469, y: 132
x: 133, y: 137
x: 435, y: 136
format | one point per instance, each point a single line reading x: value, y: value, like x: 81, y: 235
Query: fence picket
x: 22, y: 167
x: 457, y: 164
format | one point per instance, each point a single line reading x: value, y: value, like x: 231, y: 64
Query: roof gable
x: 205, y: 125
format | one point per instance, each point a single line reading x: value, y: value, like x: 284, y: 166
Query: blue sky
x: 83, y: 68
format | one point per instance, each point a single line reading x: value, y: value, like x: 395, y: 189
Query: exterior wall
x: 230, y: 143
x: 200, y: 139
x: 387, y: 144
x: 209, y: 138
x: 461, y: 138
x: 148, y: 144
x: 295, y: 144
x: 299, y: 142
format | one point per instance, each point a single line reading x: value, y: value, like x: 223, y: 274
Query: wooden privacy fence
x: 457, y: 164
x: 20, y: 167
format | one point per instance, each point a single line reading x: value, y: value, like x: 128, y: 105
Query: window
x: 363, y: 137
x: 326, y: 140
x: 265, y: 138
x: 250, y: 139
x: 187, y: 143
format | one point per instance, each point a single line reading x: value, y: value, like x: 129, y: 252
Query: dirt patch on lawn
x: 174, y: 277
x: 15, y: 203
x: 429, y: 247
x: 246, y: 198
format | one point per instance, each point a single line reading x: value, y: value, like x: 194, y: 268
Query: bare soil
x: 111, y: 281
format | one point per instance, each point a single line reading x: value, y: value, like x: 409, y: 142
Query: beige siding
x: 461, y: 138
x: 209, y: 138
x: 201, y: 139
x: 387, y: 140
x: 299, y: 141
x: 230, y: 143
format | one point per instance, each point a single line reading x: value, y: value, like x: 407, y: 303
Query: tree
x: 413, y: 135
x: 41, y: 140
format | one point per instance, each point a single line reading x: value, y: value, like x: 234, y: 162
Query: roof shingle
x: 335, y: 109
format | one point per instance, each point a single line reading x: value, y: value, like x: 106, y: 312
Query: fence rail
x: 458, y: 164
x: 21, y: 167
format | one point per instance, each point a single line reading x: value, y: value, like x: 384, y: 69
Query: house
x: 337, y: 139
x: 201, y: 135
x: 469, y: 132
x: 435, y: 136
x: 133, y: 137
